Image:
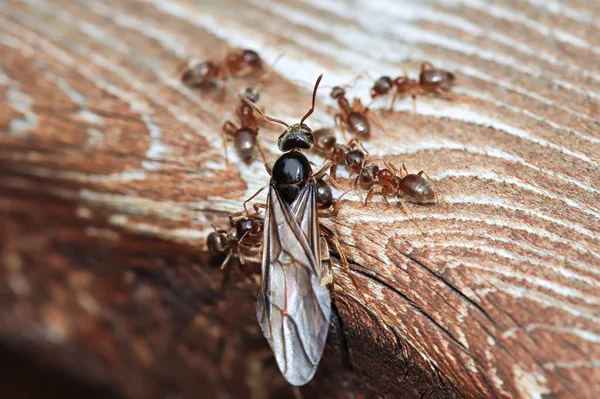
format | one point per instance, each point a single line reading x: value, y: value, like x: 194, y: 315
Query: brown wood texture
x: 111, y: 173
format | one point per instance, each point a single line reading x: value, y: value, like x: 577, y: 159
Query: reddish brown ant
x: 413, y: 187
x: 431, y: 80
x: 206, y: 74
x: 245, y: 138
x: 244, y: 238
x: 350, y: 154
x: 355, y: 118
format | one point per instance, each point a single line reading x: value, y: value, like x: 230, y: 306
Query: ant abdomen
x: 324, y: 194
x: 358, y: 125
x: 217, y: 242
x: 436, y: 79
x: 417, y: 188
x: 382, y: 86
x: 324, y: 140
x: 245, y: 142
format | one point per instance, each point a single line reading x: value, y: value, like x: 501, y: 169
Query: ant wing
x: 294, y: 306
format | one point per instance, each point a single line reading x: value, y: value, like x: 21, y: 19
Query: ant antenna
x: 314, y: 98
x: 265, y: 117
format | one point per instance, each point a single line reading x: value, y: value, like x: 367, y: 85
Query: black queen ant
x: 294, y: 303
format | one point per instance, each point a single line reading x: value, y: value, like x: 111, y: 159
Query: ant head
x: 300, y: 136
x: 297, y: 136
x: 251, y: 57
x: 368, y: 176
x: 337, y: 92
x: 248, y: 226
x: 251, y: 95
x: 324, y: 139
x: 382, y: 86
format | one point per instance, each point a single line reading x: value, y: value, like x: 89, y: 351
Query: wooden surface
x: 111, y: 173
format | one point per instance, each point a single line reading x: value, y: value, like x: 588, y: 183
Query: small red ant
x: 354, y: 118
x: 350, y: 154
x: 206, y: 74
x: 245, y: 138
x: 244, y: 238
x: 431, y: 80
x: 413, y: 187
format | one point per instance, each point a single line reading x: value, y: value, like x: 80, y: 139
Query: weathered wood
x: 111, y: 173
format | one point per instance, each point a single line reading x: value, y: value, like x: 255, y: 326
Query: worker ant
x: 356, y: 117
x: 243, y: 238
x: 206, y: 74
x: 245, y: 138
x: 412, y: 187
x: 431, y: 80
x: 350, y: 154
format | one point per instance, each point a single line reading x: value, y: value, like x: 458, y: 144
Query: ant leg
x: 409, y: 213
x: 227, y: 259
x: 270, y: 70
x: 240, y: 257
x: 328, y: 233
x: 377, y: 121
x: 338, y: 119
x: 394, y: 169
x: 261, y: 148
x: 334, y: 182
x: 343, y: 260
x: 323, y: 171
x: 448, y: 95
x: 369, y: 195
x: 384, y: 195
x: 222, y: 92
x: 354, y: 80
x: 229, y: 128
x: 413, y: 94
x: 394, y: 98
x: 251, y: 198
x: 364, y: 149
x: 257, y: 208
x: 326, y: 270
x: 425, y: 65
x: 333, y: 171
x: 404, y: 168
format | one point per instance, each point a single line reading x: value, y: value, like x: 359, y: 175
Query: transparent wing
x: 294, y: 307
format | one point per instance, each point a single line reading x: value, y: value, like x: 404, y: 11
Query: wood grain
x: 111, y: 173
